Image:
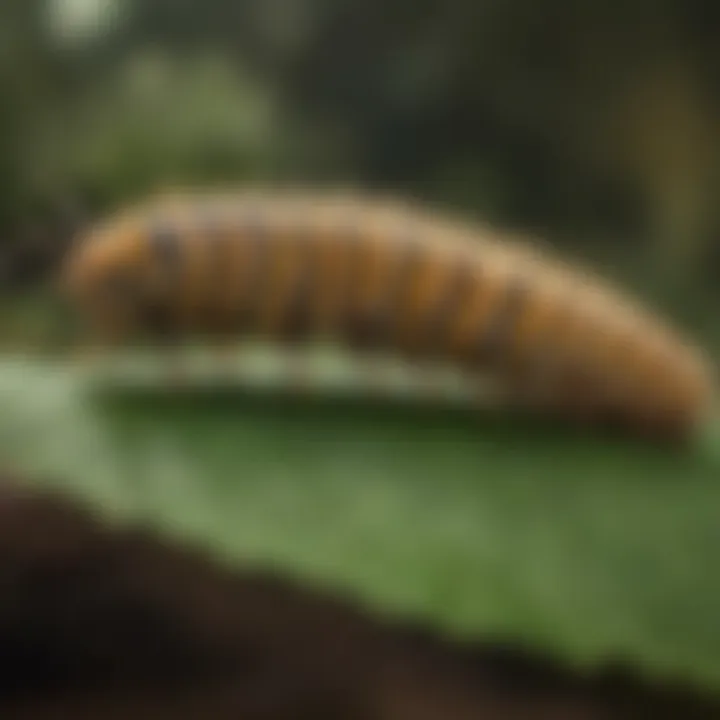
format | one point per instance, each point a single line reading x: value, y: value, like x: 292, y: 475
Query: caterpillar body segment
x: 385, y: 275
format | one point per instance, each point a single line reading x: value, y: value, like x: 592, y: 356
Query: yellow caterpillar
x: 382, y: 274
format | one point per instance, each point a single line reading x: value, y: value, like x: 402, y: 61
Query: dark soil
x: 97, y: 622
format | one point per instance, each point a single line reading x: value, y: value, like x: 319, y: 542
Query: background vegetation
x: 592, y: 123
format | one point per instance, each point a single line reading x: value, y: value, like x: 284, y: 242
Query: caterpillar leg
x: 431, y: 383
x: 174, y: 372
x: 577, y: 400
x: 375, y: 374
x: 88, y: 357
x: 94, y: 346
x: 298, y: 369
x: 226, y: 357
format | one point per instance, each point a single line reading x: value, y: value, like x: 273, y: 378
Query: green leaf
x: 584, y: 546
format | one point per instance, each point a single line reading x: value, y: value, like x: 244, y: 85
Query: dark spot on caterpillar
x: 164, y: 240
x: 375, y: 327
x: 411, y: 260
x: 155, y: 306
x: 296, y: 324
x: 415, y: 259
x: 215, y: 233
x: 160, y: 321
x: 350, y: 321
x: 457, y: 287
x: 494, y: 338
x: 119, y: 283
x: 120, y: 290
x: 257, y: 269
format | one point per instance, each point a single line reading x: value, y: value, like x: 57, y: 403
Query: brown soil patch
x: 103, y: 623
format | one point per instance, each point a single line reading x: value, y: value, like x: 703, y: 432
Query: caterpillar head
x: 101, y: 273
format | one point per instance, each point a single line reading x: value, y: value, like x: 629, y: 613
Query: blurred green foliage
x: 591, y: 123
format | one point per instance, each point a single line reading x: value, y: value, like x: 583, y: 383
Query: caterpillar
x: 385, y: 273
